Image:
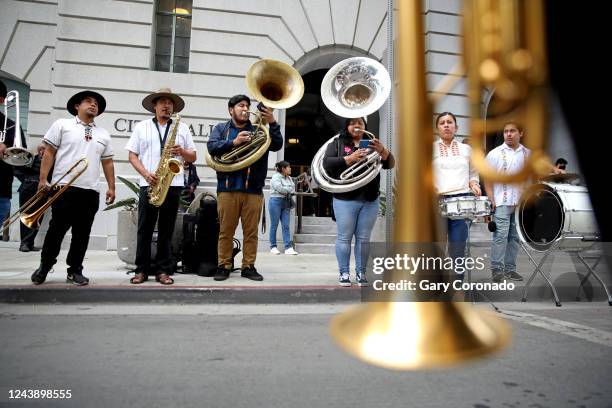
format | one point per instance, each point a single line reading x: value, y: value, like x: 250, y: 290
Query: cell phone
x: 364, y: 143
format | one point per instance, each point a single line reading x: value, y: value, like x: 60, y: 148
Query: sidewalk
x: 305, y: 278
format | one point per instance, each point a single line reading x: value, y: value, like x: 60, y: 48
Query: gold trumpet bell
x: 275, y: 84
x: 418, y: 335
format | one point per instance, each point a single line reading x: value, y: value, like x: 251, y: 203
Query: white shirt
x: 145, y: 143
x: 452, y: 167
x: 506, y: 160
x: 68, y: 137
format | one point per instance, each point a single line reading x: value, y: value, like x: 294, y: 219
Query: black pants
x: 28, y: 190
x: 165, y: 216
x: 76, y: 209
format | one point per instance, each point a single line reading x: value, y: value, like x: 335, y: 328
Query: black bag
x: 201, y: 237
x: 289, y: 202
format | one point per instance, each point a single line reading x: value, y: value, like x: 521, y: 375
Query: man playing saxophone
x: 150, y: 146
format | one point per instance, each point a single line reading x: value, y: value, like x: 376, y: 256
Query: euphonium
x: 166, y: 170
x: 276, y: 85
x: 352, y: 88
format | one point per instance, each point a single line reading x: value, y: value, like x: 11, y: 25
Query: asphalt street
x: 282, y: 356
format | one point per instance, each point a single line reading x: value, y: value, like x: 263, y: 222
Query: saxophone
x: 166, y: 170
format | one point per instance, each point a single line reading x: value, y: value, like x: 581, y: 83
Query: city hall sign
x: 197, y: 129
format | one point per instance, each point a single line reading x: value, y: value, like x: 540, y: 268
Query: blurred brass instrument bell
x: 415, y: 335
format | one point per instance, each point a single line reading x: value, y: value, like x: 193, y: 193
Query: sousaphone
x: 353, y: 88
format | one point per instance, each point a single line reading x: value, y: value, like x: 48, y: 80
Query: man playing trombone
x: 67, y: 142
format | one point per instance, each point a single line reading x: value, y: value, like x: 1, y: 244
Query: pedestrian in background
x: 280, y: 204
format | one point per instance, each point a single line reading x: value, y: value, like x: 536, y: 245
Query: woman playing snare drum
x: 453, y: 176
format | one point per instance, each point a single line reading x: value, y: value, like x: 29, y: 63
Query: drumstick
x: 452, y: 191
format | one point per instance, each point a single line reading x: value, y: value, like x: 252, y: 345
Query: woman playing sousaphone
x: 454, y: 176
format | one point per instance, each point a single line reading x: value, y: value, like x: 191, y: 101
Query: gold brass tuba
x: 505, y: 53
x: 42, y: 200
x: 352, y: 88
x: 276, y: 85
x: 15, y: 155
x: 167, y: 168
x: 418, y: 334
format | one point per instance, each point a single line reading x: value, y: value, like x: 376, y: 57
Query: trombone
x: 15, y: 155
x: 32, y: 219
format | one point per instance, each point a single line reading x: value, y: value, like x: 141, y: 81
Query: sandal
x: 140, y: 277
x: 164, y: 279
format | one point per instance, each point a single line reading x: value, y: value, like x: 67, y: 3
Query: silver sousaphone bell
x: 353, y: 88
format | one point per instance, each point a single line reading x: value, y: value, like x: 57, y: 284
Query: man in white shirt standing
x: 508, y: 158
x: 145, y: 149
x: 66, y: 142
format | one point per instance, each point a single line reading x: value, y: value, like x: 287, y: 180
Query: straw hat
x: 149, y: 101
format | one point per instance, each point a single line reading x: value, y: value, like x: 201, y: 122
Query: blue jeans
x: 457, y: 238
x: 5, y: 209
x: 354, y: 218
x: 277, y: 212
x: 505, y: 240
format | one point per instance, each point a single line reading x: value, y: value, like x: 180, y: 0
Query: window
x: 173, y: 35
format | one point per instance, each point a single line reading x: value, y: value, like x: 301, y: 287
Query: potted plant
x: 127, y: 223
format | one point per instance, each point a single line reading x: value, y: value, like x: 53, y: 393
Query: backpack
x: 201, y: 237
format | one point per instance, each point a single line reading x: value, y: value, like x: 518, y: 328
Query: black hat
x: 78, y: 98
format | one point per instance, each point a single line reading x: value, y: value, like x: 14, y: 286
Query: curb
x: 180, y: 295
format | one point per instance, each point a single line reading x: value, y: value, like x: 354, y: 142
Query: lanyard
x: 162, y: 142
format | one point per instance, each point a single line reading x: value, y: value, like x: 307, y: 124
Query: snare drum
x: 463, y: 207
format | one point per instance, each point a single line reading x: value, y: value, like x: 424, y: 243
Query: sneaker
x: 274, y: 251
x: 291, y: 251
x: 345, y: 280
x: 513, y: 276
x: 24, y: 248
x: 251, y: 273
x: 361, y: 279
x: 498, y: 276
x: 40, y: 275
x: 222, y: 273
x: 77, y: 279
